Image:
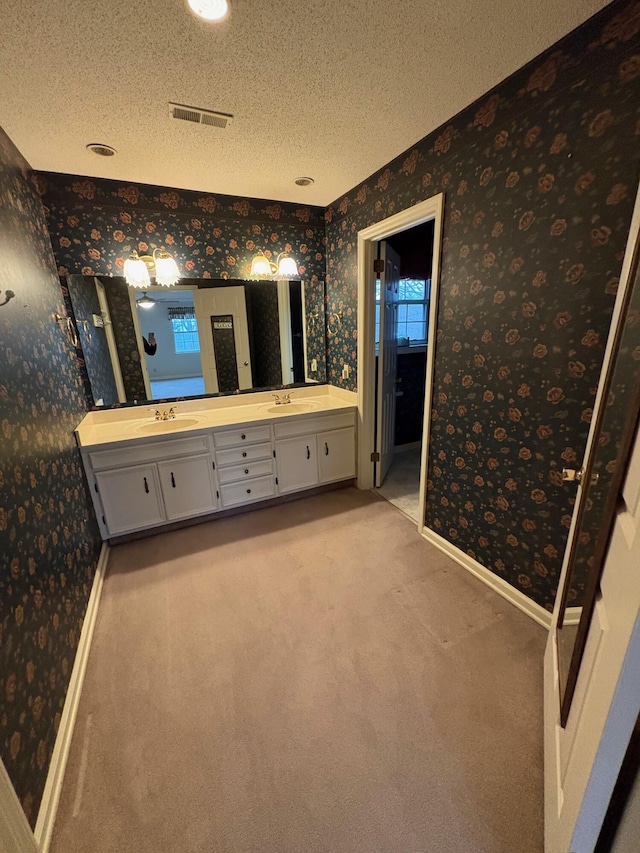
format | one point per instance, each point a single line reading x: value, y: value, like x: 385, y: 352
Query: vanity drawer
x: 148, y: 451
x: 248, y: 435
x: 238, y: 455
x: 250, y: 490
x: 289, y: 427
x: 244, y: 472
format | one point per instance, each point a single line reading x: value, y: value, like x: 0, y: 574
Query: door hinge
x: 375, y: 457
x: 378, y: 265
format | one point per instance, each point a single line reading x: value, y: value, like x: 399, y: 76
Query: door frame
x: 432, y: 209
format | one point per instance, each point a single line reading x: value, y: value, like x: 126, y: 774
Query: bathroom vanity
x: 146, y: 470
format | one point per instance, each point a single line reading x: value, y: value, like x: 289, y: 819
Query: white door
x: 582, y: 756
x: 212, y: 302
x: 130, y: 498
x: 297, y: 463
x: 387, y: 360
x: 186, y: 486
x: 337, y: 454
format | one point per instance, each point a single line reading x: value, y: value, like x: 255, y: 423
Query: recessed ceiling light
x: 304, y: 182
x: 209, y: 10
x: 101, y: 149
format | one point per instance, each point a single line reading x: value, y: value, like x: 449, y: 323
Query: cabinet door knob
x: 308, y: 452
x: 173, y: 480
x: 326, y: 449
x: 246, y: 470
x: 244, y: 454
x: 243, y: 437
x: 248, y: 491
x: 146, y: 485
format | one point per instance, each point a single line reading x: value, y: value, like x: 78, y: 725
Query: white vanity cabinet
x: 244, y: 458
x: 130, y: 498
x: 314, y: 450
x: 151, y: 483
x: 140, y: 482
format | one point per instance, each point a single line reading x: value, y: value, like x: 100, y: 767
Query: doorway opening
x: 402, y: 390
x: 394, y: 306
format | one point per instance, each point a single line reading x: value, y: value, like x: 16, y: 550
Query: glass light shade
x: 287, y: 266
x: 136, y: 272
x: 209, y: 10
x: 167, y: 272
x: 260, y: 265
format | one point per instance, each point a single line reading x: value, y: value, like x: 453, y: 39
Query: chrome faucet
x: 164, y: 416
x: 286, y: 398
x: 276, y: 397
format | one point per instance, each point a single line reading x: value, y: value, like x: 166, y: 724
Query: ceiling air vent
x: 196, y: 115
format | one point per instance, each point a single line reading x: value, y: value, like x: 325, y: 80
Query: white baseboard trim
x: 55, y: 777
x: 513, y: 595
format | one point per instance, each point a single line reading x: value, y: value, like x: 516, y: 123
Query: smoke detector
x: 101, y: 149
x: 198, y: 115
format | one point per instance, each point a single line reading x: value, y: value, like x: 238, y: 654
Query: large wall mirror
x: 198, y: 338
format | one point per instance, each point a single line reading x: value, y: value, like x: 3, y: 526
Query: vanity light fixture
x: 138, y: 269
x: 145, y: 301
x: 209, y: 10
x: 284, y: 267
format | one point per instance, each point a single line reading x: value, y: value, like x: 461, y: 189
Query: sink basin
x: 291, y: 408
x: 167, y: 426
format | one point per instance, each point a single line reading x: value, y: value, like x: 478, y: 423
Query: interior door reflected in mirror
x: 197, y: 338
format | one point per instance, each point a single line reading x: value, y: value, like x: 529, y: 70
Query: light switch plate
x: 345, y: 371
x: 314, y: 364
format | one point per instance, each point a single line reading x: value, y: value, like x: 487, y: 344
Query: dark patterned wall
x: 49, y: 541
x: 117, y: 293
x: 539, y: 180
x: 95, y: 223
x: 264, y: 325
x: 81, y: 300
x: 314, y: 314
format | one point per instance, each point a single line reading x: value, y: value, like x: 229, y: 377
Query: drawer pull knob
x: 243, y: 437
x: 246, y: 470
x: 146, y: 485
x: 248, y: 491
x: 244, y: 454
x: 308, y: 452
x: 326, y: 449
x: 173, y: 480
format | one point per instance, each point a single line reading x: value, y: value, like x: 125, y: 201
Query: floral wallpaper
x: 49, y: 541
x: 117, y: 294
x: 81, y: 301
x: 539, y: 178
x: 95, y: 223
x: 264, y: 333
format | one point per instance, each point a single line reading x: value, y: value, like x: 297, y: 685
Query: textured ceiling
x: 325, y: 88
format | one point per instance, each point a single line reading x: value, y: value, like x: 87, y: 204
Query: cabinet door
x: 186, y: 486
x: 337, y: 454
x: 130, y: 498
x: 296, y: 463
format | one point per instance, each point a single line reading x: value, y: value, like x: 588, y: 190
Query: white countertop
x: 138, y: 422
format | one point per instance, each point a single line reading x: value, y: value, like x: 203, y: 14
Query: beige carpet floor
x: 308, y: 678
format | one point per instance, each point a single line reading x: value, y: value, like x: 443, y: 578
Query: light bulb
x: 167, y: 272
x: 209, y: 10
x: 260, y: 265
x: 135, y: 271
x: 287, y: 266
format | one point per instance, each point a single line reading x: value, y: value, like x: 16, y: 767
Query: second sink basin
x: 291, y: 408
x: 166, y: 426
